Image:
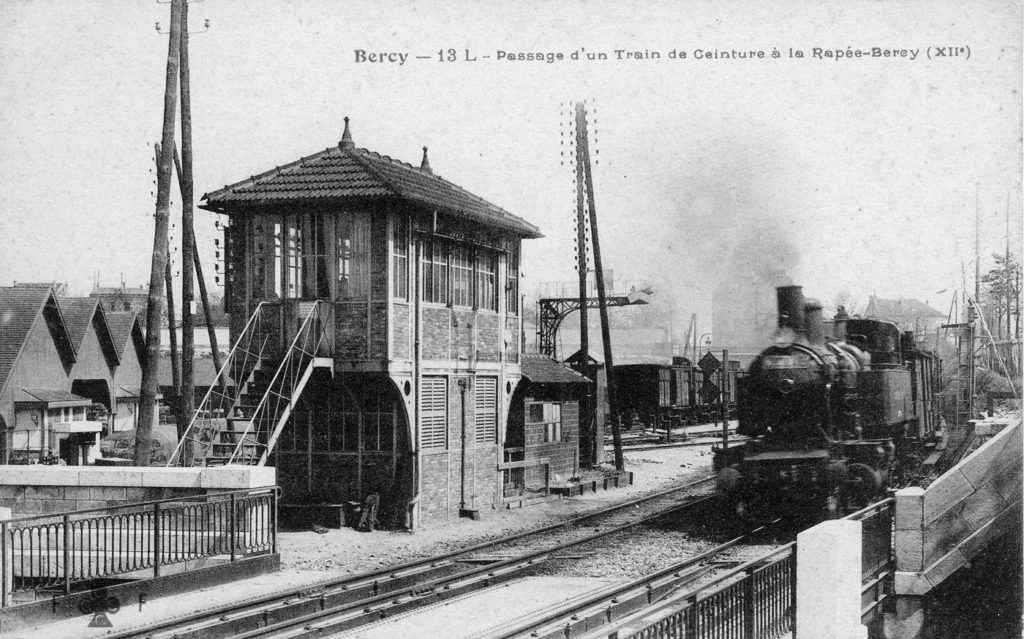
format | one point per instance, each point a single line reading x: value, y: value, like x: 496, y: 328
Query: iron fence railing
x: 220, y: 400
x: 877, y: 564
x: 52, y: 553
x: 756, y: 600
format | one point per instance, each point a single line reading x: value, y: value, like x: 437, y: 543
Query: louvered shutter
x: 486, y: 409
x: 434, y: 413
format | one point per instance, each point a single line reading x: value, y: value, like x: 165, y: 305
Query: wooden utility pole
x: 188, y: 347
x: 583, y: 157
x: 169, y: 288
x: 595, y: 448
x: 158, y: 266
x: 204, y: 298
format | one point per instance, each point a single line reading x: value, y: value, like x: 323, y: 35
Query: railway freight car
x: 659, y: 394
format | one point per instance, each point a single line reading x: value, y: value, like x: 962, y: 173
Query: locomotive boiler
x: 832, y: 420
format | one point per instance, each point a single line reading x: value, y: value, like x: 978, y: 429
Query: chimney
x: 791, y: 308
x: 814, y: 323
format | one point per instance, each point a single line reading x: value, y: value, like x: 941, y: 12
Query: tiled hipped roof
x: 345, y: 171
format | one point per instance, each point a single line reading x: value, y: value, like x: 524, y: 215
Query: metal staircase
x: 240, y: 424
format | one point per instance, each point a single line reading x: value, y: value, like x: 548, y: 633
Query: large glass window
x: 352, y: 235
x: 512, y: 284
x: 462, y: 276
x: 486, y: 280
x: 313, y: 255
x: 435, y: 271
x: 293, y: 251
x: 400, y: 257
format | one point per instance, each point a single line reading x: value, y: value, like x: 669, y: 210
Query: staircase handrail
x: 302, y: 333
x: 256, y: 315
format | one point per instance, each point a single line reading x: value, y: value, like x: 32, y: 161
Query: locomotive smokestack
x: 791, y: 308
x: 814, y: 324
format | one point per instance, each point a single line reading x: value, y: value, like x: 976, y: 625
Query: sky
x: 859, y: 174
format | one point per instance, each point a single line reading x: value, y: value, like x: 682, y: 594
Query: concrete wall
x: 31, y: 490
x: 940, y: 529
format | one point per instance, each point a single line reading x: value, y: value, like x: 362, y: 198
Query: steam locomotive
x: 833, y: 420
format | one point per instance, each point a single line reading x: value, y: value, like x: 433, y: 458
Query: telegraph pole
x: 188, y: 393
x: 169, y: 287
x: 595, y: 447
x: 583, y: 157
x: 155, y: 307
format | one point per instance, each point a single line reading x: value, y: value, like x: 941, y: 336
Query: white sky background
x: 853, y: 174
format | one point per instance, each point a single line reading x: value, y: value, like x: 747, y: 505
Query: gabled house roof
x: 126, y: 327
x: 79, y: 313
x: 346, y: 172
x: 20, y: 308
x: 900, y: 309
x: 541, y: 369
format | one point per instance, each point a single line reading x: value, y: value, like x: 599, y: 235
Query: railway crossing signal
x: 708, y: 365
x: 709, y: 392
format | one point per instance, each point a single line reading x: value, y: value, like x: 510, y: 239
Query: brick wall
x: 561, y: 454
x: 435, y: 328
x: 434, y: 496
x: 512, y: 348
x: 401, y: 333
x: 350, y: 332
x: 488, y: 337
x: 379, y: 330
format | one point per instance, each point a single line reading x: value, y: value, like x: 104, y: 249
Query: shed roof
x: 51, y: 396
x: 19, y: 308
x: 346, y: 172
x: 541, y: 369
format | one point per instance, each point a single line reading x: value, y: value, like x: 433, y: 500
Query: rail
x: 53, y: 553
x: 262, y: 429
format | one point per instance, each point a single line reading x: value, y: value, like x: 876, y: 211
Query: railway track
x: 343, y: 603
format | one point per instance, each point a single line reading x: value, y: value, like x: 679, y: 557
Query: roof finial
x: 346, y: 138
x: 425, y: 164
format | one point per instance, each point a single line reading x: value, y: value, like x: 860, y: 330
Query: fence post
x: 829, y: 580
x: 273, y: 542
x: 231, y: 527
x: 6, y: 558
x: 67, y: 554
x: 156, y: 539
x: 748, y: 604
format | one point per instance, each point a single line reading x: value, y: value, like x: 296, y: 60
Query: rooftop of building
x: 346, y: 172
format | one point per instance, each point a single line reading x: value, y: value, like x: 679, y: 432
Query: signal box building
x: 415, y: 283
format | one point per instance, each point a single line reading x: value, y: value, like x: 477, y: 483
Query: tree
x: 1003, y: 293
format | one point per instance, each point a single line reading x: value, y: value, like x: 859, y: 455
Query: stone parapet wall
x: 32, y: 490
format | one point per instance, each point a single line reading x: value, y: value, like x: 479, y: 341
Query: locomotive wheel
x: 864, y: 482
